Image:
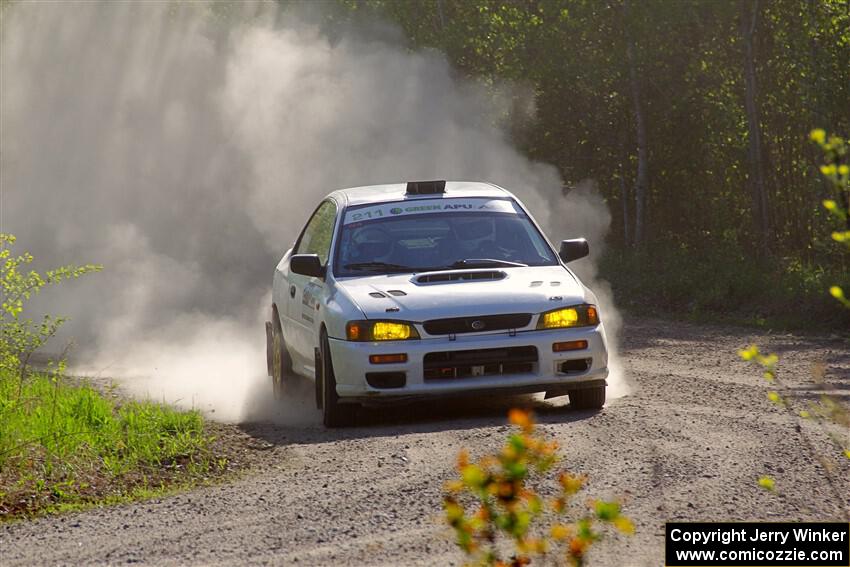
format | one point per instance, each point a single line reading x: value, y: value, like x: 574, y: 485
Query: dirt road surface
x: 688, y: 444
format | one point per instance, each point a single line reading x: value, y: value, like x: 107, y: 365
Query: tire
x: 334, y: 413
x: 281, y: 363
x: 588, y: 398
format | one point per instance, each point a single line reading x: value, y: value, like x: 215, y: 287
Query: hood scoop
x: 465, y: 275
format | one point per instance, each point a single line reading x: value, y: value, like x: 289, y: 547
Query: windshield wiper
x: 382, y: 266
x: 485, y: 263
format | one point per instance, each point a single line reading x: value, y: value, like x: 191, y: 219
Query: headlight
x: 576, y: 316
x: 366, y: 331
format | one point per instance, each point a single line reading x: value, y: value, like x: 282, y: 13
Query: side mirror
x: 307, y: 265
x: 573, y: 249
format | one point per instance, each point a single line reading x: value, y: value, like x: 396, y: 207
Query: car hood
x: 464, y: 293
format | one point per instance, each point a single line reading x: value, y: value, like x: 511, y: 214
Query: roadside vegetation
x: 830, y: 411
x: 502, y: 517
x: 65, y: 444
x: 723, y: 284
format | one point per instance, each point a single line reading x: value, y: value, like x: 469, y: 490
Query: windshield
x: 437, y: 234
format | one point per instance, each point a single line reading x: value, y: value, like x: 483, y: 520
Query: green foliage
x: 830, y: 409
x: 836, y: 170
x: 723, y: 283
x: 768, y: 362
x: 21, y: 337
x: 63, y: 444
x: 768, y: 483
x: 829, y: 412
x: 503, y: 505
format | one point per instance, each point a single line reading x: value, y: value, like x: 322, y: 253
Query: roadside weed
x: 491, y: 505
x: 65, y: 444
x: 829, y: 412
x: 21, y: 336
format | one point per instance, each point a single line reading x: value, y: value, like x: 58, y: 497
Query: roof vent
x: 426, y: 187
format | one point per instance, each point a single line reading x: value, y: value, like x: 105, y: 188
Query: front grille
x: 458, y: 325
x: 479, y: 362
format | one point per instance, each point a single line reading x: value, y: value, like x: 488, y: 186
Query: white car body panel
x: 332, y: 302
x: 523, y: 289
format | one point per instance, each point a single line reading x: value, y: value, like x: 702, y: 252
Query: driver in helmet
x: 371, y: 244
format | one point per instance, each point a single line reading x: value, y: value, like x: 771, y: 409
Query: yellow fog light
x: 380, y: 331
x: 577, y: 316
x: 387, y: 331
x: 560, y: 318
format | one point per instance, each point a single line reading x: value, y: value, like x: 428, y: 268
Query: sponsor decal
x: 419, y: 206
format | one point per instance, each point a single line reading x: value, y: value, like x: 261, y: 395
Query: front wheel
x: 588, y: 398
x: 278, y: 359
x: 334, y: 413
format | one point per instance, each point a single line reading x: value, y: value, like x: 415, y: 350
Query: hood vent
x: 442, y: 277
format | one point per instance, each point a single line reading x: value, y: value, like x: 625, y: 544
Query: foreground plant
x: 837, y: 171
x: 829, y: 412
x: 491, y: 503
x: 20, y: 337
x: 69, y: 445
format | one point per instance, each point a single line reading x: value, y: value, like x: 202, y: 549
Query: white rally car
x: 398, y: 292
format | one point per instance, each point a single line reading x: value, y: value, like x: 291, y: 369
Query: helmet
x: 473, y: 233
x: 371, y: 244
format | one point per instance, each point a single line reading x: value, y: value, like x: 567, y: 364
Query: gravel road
x: 688, y: 444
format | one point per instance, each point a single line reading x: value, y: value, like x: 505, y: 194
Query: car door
x: 305, y: 292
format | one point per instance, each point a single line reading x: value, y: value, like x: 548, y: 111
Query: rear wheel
x: 280, y: 362
x: 588, y: 398
x: 334, y: 413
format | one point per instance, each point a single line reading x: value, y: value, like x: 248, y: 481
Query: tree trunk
x: 624, y: 192
x: 641, y: 180
x: 749, y: 20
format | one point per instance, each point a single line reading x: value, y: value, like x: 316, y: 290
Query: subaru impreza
x: 393, y: 293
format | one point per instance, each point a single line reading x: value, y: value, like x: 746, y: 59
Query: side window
x: 318, y: 233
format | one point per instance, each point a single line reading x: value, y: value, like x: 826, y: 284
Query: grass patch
x: 724, y: 285
x: 69, y: 446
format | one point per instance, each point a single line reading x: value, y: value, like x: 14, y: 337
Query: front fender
x: 280, y: 283
x: 338, y: 309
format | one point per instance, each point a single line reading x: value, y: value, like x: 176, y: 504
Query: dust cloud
x: 182, y: 145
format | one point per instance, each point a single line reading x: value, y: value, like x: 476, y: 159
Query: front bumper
x: 351, y: 363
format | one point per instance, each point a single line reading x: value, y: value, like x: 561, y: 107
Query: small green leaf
x: 607, y: 511
x: 473, y: 476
